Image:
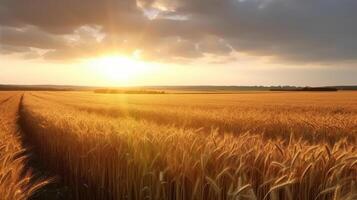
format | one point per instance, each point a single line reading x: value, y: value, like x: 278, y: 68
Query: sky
x: 178, y: 42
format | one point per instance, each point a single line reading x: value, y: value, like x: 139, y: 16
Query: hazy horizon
x: 133, y: 86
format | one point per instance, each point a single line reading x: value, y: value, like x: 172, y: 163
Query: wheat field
x: 263, y: 145
x: 16, y: 179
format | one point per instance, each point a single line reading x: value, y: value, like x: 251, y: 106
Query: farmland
x: 16, y: 179
x: 262, y: 145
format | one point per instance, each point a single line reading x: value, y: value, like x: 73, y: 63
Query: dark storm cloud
x: 304, y: 31
x: 66, y: 15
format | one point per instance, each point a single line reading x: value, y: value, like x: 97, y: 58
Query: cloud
x: 299, y: 31
x: 8, y: 49
x: 30, y: 37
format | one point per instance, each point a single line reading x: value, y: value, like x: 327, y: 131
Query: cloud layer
x: 299, y: 31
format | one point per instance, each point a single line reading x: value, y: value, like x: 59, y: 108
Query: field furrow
x: 16, y: 181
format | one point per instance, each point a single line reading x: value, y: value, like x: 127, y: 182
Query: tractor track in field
x: 55, y: 190
x: 60, y: 189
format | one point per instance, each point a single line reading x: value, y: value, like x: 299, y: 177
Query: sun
x: 118, y: 69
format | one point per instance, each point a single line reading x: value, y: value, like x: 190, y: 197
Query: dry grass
x: 268, y: 146
x: 15, y: 181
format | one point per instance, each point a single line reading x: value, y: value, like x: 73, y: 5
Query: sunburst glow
x: 118, y: 69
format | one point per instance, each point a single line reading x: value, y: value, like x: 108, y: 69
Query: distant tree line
x: 31, y: 88
x: 160, y: 89
x: 313, y: 89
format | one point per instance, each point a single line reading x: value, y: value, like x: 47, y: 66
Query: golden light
x: 118, y: 69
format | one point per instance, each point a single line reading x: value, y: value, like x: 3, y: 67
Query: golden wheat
x: 15, y: 180
x: 278, y: 116
x: 104, y: 156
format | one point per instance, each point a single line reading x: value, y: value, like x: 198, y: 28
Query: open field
x: 15, y: 177
x: 270, y: 145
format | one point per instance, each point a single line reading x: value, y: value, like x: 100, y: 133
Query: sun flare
x: 118, y: 69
